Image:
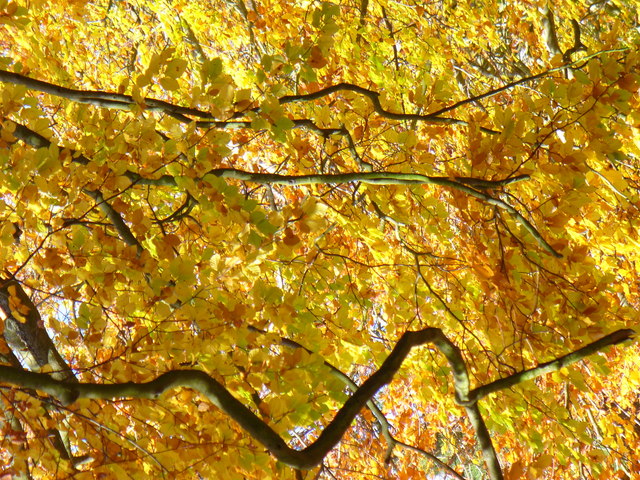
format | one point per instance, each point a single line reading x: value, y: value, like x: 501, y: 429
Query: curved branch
x: 373, y: 407
x: 374, y: 97
x: 68, y: 392
x: 463, y: 184
x: 127, y: 102
x: 302, y: 459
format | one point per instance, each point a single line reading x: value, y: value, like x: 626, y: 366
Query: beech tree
x: 360, y: 239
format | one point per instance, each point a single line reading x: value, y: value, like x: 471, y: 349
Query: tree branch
x: 126, y: 102
x: 385, y: 427
x: 69, y: 392
x: 25, y: 333
x: 549, y: 32
x: 614, y: 338
x: 374, y: 97
x: 100, y: 99
x: 521, y: 81
x: 364, y: 5
x: 36, y: 140
x: 486, y: 445
x: 37, y: 349
x: 463, y: 184
x: 384, y: 178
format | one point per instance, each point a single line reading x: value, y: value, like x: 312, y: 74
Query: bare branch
x: 101, y: 99
x: 68, y: 392
x: 551, y: 366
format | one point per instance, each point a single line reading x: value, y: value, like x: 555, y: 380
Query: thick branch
x: 549, y: 32
x: 126, y: 102
x: 312, y: 455
x: 380, y: 178
x: 484, y: 440
x: 100, y: 99
x: 373, y: 407
x: 26, y: 334
x: 68, y: 392
x: 463, y: 184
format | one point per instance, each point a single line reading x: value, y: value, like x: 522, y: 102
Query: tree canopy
x: 361, y: 239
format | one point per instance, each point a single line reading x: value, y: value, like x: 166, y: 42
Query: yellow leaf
x: 169, y: 83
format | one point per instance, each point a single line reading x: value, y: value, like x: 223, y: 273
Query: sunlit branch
x: 614, y: 338
x: 24, y: 332
x: 383, y: 423
x: 310, y: 456
x: 117, y: 101
x: 463, y: 184
x: 549, y: 33
x: 126, y: 102
x: 121, y: 101
x: 381, y: 178
x: 298, y: 123
x: 484, y: 440
x: 69, y: 392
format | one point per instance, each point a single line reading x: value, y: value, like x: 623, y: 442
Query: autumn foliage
x: 295, y: 240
